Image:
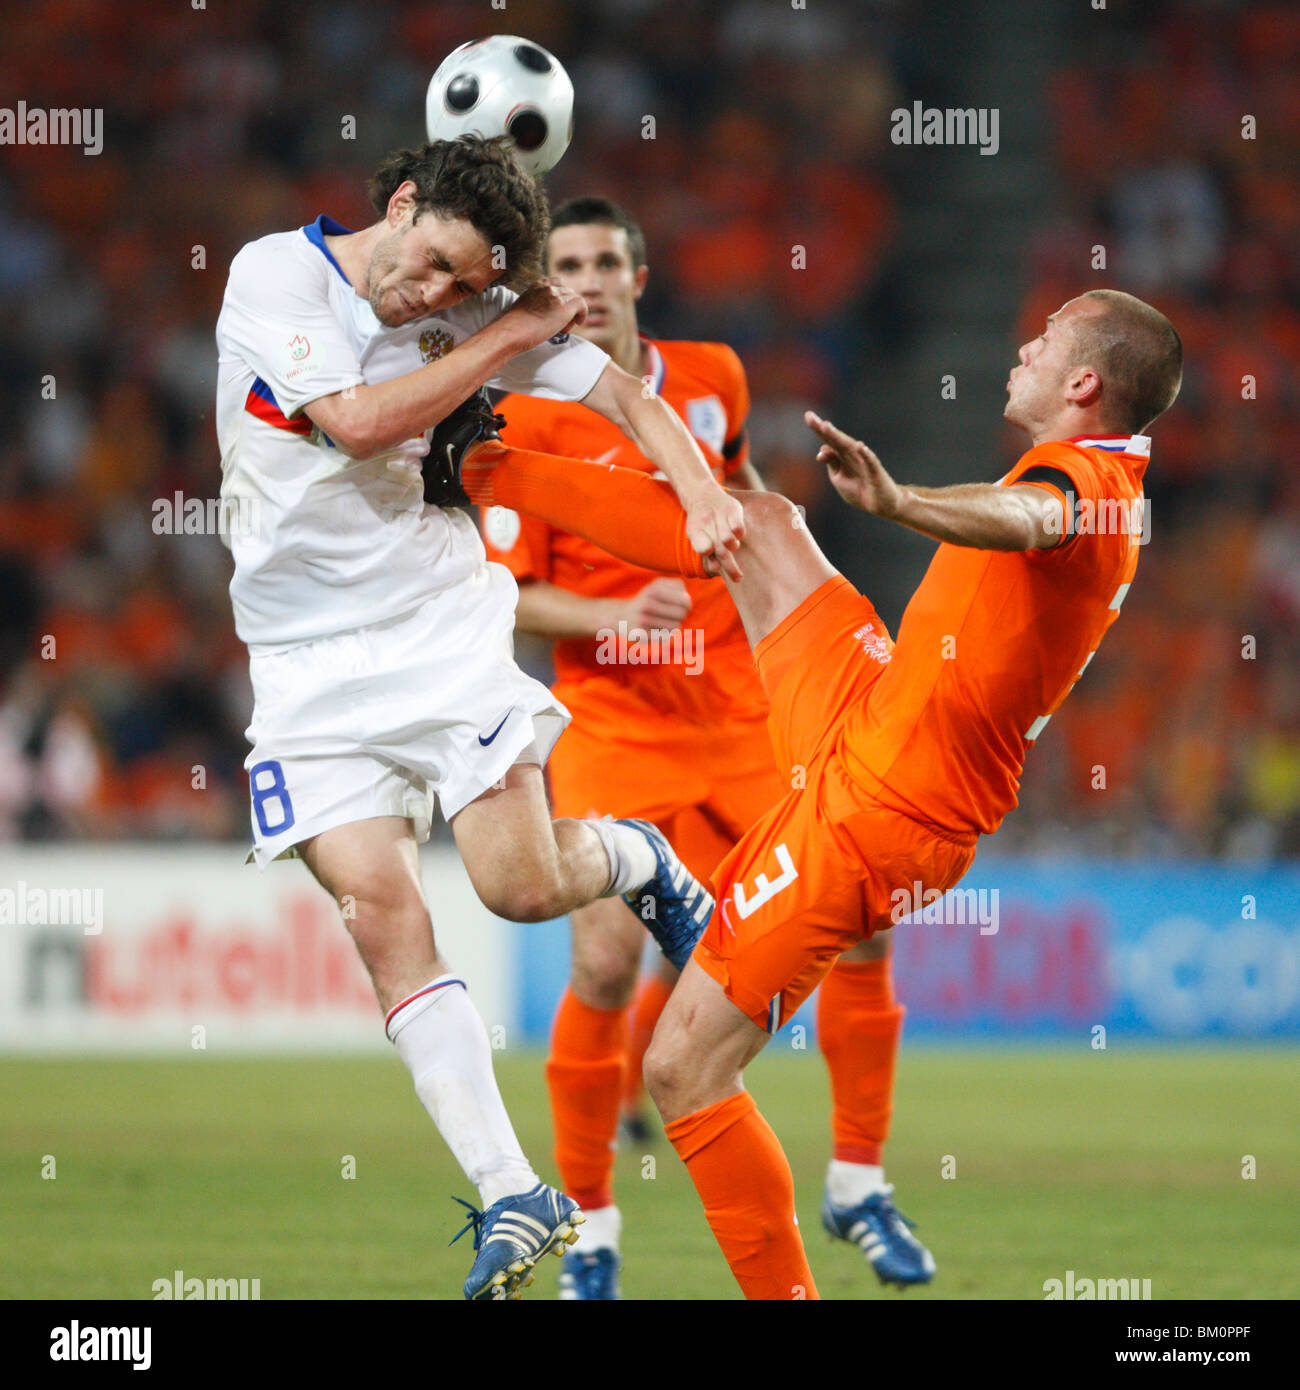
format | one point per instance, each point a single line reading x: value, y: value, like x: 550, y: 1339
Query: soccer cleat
x: 592, y: 1276
x: 883, y: 1234
x: 680, y: 906
x: 470, y: 423
x: 512, y: 1235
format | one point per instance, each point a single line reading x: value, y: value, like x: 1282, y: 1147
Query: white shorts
x: 379, y: 721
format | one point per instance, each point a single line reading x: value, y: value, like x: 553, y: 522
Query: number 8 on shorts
x: 267, y: 783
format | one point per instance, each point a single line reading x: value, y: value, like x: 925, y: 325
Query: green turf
x: 1114, y: 1164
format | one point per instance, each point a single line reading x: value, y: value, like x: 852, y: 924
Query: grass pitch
x: 1114, y: 1164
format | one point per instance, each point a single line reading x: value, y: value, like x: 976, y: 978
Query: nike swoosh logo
x: 496, y: 731
x: 607, y: 455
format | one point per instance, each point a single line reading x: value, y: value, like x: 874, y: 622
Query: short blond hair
x: 1137, y: 353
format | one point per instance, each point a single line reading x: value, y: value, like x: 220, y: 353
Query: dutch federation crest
x: 435, y: 343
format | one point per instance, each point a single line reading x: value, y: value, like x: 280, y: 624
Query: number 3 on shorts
x: 765, y: 891
x: 265, y: 790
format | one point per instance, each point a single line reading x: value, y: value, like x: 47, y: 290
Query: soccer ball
x: 504, y: 85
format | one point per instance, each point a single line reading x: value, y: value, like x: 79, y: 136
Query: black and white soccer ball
x: 504, y: 85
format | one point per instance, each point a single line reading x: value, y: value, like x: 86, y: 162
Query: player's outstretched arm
x: 366, y: 420
x: 981, y: 515
x: 715, y: 522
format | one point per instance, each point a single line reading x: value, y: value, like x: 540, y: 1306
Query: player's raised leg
x: 639, y: 520
x: 781, y: 562
x: 371, y: 868
x: 529, y: 868
x: 622, y: 510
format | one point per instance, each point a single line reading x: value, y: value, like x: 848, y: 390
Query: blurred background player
x: 683, y: 743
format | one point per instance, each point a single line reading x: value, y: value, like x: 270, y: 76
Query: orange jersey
x: 992, y: 641
x: 709, y: 672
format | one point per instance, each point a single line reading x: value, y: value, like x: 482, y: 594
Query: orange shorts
x: 825, y: 867
x: 703, y: 793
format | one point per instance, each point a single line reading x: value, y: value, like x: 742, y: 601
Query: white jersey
x: 324, y: 543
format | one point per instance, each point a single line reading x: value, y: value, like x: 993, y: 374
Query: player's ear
x: 402, y: 201
x: 1083, y: 386
x: 638, y: 281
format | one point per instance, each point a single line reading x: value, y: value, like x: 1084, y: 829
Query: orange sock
x: 858, y: 1028
x: 744, y: 1181
x: 585, y: 1075
x: 630, y: 514
x: 651, y: 996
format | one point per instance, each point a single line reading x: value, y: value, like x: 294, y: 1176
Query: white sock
x: 441, y: 1038
x: 631, y: 860
x: 601, y: 1229
x: 851, y: 1183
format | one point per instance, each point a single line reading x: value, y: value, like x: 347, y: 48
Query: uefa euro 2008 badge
x: 706, y: 418
x: 501, y: 526
x: 300, y: 358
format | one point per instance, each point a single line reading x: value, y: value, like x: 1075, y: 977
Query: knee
x: 604, y: 972
x: 658, y: 1073
x: 768, y: 515
x: 877, y: 947
x: 525, y: 899
x: 665, y: 1076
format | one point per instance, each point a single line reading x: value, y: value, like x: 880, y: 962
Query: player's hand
x: 543, y: 310
x: 663, y: 603
x: 715, y: 526
x: 855, y: 472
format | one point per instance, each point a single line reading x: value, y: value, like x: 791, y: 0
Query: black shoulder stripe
x: 1061, y: 480
x: 735, y: 444
x: 1042, y: 473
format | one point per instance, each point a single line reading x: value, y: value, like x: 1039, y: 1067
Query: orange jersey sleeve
x: 710, y: 668
x: 992, y: 642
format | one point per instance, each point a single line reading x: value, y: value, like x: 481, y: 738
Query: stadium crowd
x: 1193, y: 705
x: 123, y: 689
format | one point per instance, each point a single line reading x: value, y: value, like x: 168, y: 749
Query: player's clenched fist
x: 543, y: 310
x: 715, y: 526
x: 855, y: 472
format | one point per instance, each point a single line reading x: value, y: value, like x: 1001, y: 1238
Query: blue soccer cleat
x: 592, y: 1276
x: 512, y: 1235
x: 680, y: 904
x: 883, y: 1234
